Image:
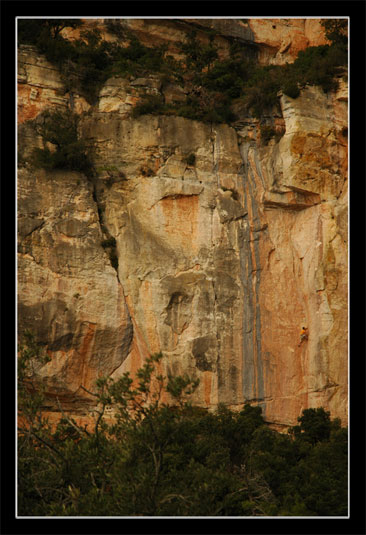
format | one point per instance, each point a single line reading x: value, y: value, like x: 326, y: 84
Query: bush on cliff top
x: 156, y: 459
x: 86, y: 63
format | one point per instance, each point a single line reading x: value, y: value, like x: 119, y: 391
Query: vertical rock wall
x: 220, y: 261
x: 299, y: 275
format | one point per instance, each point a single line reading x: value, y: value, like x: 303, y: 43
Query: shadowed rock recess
x: 222, y: 257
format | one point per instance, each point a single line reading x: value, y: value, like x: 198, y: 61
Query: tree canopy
x: 172, y: 459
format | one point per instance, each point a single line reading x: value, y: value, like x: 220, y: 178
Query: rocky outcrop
x: 40, y: 86
x: 226, y: 245
x: 277, y: 40
x: 280, y: 40
x: 298, y: 220
x: 68, y: 292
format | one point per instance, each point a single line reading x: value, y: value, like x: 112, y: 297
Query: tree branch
x: 76, y: 427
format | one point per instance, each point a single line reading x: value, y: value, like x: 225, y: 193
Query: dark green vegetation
x: 212, y: 85
x: 313, y: 66
x: 83, y: 63
x: 60, y: 129
x: 336, y: 31
x: 86, y: 63
x: 181, y: 460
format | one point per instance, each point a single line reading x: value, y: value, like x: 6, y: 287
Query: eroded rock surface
x: 69, y: 294
x: 220, y: 263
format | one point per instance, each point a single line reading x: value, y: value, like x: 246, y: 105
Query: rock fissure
x: 109, y: 242
x: 38, y: 227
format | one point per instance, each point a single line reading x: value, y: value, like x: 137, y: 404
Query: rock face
x: 220, y: 261
x: 280, y: 40
x: 68, y: 292
x: 298, y: 219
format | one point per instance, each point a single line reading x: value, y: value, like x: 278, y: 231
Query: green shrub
x: 318, y: 65
x: 212, y: 116
x: 29, y: 31
x: 198, y: 55
x: 83, y: 63
x: 291, y: 89
x: 313, y: 66
x: 226, y: 114
x: 201, y: 109
x: 336, y: 31
x: 136, y: 59
x: 86, y: 64
x: 190, y: 109
x: 150, y: 104
x: 60, y: 128
x: 261, y: 90
x: 315, y: 425
x: 227, y: 76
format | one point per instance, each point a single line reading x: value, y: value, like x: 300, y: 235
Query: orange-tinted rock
x: 220, y: 263
x: 40, y: 87
x: 69, y: 295
x: 280, y: 40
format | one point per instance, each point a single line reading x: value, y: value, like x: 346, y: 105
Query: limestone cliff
x: 222, y: 257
